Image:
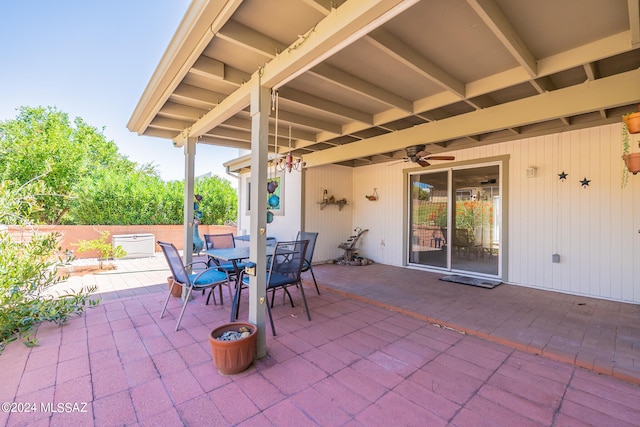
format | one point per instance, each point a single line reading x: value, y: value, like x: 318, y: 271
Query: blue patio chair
x: 209, y: 278
x: 308, y: 256
x: 221, y: 241
x: 284, y: 271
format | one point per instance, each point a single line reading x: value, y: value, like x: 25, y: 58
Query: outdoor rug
x: 473, y: 281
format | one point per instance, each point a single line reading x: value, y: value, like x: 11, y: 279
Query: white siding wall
x: 333, y: 225
x: 596, y: 230
x: 283, y: 227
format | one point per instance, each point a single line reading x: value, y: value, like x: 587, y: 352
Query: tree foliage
x: 84, y: 180
x: 43, y: 142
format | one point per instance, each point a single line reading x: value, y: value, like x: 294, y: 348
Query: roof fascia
x: 199, y: 25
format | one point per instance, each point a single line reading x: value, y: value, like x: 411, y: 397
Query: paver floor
x: 370, y: 356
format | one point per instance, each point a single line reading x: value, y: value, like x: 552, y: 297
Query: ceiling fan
x: 417, y: 154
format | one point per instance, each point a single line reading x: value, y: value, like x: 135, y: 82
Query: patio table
x: 234, y: 255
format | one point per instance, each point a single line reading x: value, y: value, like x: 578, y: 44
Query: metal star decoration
x: 585, y: 182
x: 563, y: 176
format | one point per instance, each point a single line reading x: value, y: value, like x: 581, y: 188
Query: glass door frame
x: 503, y: 170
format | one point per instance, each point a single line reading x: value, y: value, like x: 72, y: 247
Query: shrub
x: 27, y: 272
x: 106, y: 249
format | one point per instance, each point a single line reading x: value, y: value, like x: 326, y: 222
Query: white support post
x: 189, y: 162
x: 260, y: 100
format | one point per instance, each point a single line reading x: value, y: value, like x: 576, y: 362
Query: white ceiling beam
x: 498, y: 23
x: 229, y: 143
x: 179, y: 111
x: 609, y: 92
x: 248, y: 38
x: 226, y: 133
x: 324, y: 105
x: 354, y: 84
x: 189, y: 93
x: 322, y: 6
x: 352, y: 21
x: 332, y: 34
x: 168, y: 124
x: 209, y: 68
x: 634, y: 20
x: 298, y: 119
x: 401, y: 52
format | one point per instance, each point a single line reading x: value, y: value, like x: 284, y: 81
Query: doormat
x: 473, y: 281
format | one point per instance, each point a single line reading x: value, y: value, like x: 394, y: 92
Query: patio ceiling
x: 360, y: 80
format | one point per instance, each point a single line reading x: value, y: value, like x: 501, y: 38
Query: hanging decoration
x: 198, y: 243
x: 585, y: 182
x: 286, y: 163
x: 563, y: 176
x: 373, y: 197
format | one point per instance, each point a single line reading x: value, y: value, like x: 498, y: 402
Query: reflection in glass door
x: 477, y: 206
x: 428, y: 222
x: 472, y: 244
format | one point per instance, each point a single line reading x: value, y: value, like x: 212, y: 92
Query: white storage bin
x: 136, y: 245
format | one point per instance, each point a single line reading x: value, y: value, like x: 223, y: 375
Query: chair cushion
x: 210, y: 276
x: 272, y: 282
x: 228, y: 266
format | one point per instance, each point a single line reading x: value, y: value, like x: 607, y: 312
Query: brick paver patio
x: 372, y: 355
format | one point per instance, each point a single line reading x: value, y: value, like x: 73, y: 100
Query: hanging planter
x: 630, y: 125
x: 373, y: 197
x: 633, y: 122
x: 633, y: 162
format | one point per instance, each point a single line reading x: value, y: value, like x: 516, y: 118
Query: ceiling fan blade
x: 398, y: 161
x: 440, y: 157
x: 422, y: 162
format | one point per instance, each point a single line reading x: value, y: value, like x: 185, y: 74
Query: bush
x: 27, y: 271
x: 106, y: 249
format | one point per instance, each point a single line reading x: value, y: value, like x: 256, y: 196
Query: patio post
x: 259, y: 110
x: 189, y: 161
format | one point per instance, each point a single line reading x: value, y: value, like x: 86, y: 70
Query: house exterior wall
x: 594, y: 229
x: 285, y: 226
x: 333, y: 225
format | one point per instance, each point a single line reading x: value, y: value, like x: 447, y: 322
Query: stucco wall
x: 71, y: 234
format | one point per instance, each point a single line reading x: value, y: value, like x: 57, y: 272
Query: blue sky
x: 93, y: 59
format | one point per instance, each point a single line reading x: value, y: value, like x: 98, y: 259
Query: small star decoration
x: 563, y: 176
x: 585, y: 182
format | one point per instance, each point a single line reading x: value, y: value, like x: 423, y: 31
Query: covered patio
x: 527, y: 97
x: 383, y: 348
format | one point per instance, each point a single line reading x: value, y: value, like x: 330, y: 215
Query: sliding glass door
x: 455, y: 219
x: 429, y: 206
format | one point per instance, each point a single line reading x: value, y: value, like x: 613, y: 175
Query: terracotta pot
x: 177, y: 290
x: 633, y: 122
x: 233, y: 357
x: 633, y: 162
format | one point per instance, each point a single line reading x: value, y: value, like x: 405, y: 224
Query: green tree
x: 44, y: 142
x: 219, y: 200
x: 84, y: 180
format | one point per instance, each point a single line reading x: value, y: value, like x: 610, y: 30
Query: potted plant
x: 630, y: 125
x: 233, y: 347
x: 632, y: 120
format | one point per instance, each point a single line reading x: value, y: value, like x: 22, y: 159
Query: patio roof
x: 359, y: 81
